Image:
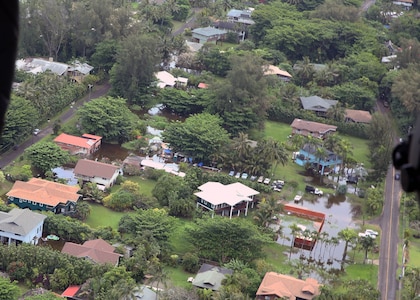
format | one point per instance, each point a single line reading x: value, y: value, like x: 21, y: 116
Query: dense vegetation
x: 332, y: 50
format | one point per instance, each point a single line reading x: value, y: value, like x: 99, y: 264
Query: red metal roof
x: 71, y: 291
x: 83, y: 142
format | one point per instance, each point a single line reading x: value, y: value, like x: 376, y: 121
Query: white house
x: 21, y: 226
x: 225, y: 200
x: 104, y: 175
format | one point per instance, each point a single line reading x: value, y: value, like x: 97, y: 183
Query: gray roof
x: 208, y: 31
x: 55, y: 67
x: 316, y: 103
x: 145, y: 293
x: 83, y: 68
x: 20, y: 221
x: 236, y: 13
x: 210, y: 277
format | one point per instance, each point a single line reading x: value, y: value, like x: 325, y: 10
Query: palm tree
x: 349, y: 236
x: 367, y: 243
x: 241, y: 145
x: 297, y: 141
x: 295, y: 230
x: 336, y: 112
x: 320, y: 154
x: 305, y: 71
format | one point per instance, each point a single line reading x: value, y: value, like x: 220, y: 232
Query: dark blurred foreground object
x: 9, y: 12
x: 406, y: 158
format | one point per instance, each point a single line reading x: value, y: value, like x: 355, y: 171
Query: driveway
x: 8, y: 157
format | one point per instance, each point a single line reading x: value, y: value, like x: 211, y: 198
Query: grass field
x: 101, y: 216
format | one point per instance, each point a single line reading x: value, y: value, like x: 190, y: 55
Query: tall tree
x: 199, y: 136
x: 381, y: 139
x: 242, y: 100
x: 242, y: 240
x: 108, y: 117
x: 406, y: 87
x: 349, y: 236
x: 136, y: 62
x: 46, y: 156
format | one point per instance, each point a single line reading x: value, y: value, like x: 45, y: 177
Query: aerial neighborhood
x: 210, y: 150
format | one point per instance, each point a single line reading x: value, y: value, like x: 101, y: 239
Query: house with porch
x: 317, y: 104
x: 315, y: 129
x: 97, y: 251
x: 44, y: 195
x: 226, y: 200
x: 210, y: 277
x: 208, y: 34
x: 279, y: 286
x: 310, y: 154
x: 406, y: 4
x: 87, y: 144
x: 104, y: 175
x: 21, y: 226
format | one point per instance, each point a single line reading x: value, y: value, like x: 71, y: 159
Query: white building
x: 21, y: 226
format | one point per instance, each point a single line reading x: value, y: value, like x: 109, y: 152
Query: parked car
x: 260, y: 179
x: 253, y: 178
x: 231, y: 173
x: 244, y: 176
x: 37, y: 131
x: 313, y: 190
x: 238, y: 175
x: 371, y: 233
x: 267, y: 181
x: 352, y: 180
x: 397, y: 176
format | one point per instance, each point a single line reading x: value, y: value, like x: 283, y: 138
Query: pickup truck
x: 313, y: 190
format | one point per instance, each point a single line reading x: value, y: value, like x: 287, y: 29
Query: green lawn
x: 178, y: 277
x: 179, y: 244
x: 100, y: 216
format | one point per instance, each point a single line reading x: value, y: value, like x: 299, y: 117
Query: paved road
x: 389, y: 222
x: 8, y: 157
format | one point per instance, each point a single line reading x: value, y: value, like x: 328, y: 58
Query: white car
x: 372, y: 233
x: 260, y: 179
x: 36, y: 131
x: 244, y: 176
x: 238, y: 175
x: 267, y: 181
x: 318, y: 192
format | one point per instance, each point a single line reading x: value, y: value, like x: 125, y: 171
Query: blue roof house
x: 308, y: 155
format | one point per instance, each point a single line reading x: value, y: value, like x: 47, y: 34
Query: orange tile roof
x: 279, y: 285
x: 83, y: 142
x: 44, y: 191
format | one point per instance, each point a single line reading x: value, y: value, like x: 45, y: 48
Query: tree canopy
x: 108, y: 117
x: 46, y: 156
x: 241, y: 239
x: 199, y: 136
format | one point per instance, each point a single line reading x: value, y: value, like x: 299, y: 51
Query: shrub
x: 342, y: 189
x: 190, y: 262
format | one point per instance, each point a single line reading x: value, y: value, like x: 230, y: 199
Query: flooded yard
x: 328, y: 249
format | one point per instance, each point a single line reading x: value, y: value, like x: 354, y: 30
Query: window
x: 20, y: 200
x: 41, y: 205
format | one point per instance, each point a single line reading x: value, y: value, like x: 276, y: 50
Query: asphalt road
x: 389, y: 222
x: 96, y: 92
